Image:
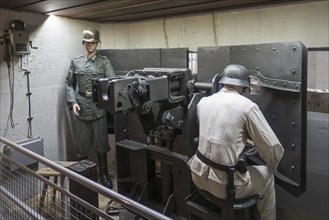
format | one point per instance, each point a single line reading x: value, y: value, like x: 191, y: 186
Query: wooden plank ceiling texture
x: 129, y: 10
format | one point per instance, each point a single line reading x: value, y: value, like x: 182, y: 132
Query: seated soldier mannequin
x: 226, y: 121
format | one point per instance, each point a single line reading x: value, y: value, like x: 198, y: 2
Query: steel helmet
x: 90, y: 35
x: 235, y: 74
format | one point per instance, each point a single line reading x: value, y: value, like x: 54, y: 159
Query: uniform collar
x: 93, y: 58
x: 230, y: 90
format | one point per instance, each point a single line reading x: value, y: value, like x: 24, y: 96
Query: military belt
x: 86, y: 94
x: 240, y: 166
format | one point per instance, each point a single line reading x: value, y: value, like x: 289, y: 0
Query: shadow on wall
x: 66, y: 136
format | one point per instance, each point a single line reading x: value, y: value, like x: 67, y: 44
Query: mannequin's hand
x: 250, y: 142
x: 76, y: 109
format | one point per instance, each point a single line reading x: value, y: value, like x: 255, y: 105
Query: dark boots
x: 103, y: 171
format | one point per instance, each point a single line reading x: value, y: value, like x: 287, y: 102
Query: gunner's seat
x: 231, y: 208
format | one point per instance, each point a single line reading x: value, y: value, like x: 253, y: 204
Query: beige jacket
x: 226, y: 120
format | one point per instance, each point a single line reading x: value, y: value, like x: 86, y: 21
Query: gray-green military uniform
x: 90, y: 126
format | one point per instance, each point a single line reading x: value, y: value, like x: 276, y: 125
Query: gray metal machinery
x: 155, y: 122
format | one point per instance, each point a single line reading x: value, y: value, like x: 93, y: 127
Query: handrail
x: 22, y: 204
x: 126, y: 202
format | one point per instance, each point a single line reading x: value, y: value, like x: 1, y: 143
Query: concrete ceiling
x: 129, y: 10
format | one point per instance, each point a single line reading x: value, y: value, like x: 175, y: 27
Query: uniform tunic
x: 226, y: 120
x: 90, y: 125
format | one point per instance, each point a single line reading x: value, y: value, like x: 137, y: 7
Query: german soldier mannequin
x: 90, y: 125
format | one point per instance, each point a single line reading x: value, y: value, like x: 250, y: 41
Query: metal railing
x: 23, y: 192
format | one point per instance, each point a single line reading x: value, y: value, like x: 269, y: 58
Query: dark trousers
x: 90, y: 136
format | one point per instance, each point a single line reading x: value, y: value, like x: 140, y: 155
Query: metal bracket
x: 275, y: 83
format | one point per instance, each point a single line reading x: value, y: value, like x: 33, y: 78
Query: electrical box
x: 19, y: 38
x: 35, y: 145
x: 20, y: 43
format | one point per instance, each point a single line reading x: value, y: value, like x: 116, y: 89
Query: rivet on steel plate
x: 293, y: 124
x: 274, y: 48
x: 293, y: 146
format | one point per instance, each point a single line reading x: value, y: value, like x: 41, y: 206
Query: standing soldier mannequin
x: 90, y: 125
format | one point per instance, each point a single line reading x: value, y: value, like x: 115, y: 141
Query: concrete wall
x: 307, y: 22
x: 318, y: 70
x: 58, y: 40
